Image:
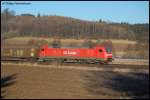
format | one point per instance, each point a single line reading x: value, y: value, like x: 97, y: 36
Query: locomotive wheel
x: 104, y: 63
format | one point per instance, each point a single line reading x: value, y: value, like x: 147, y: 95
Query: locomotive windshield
x: 108, y: 50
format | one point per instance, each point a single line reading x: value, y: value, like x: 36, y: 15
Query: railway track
x: 98, y: 65
x: 88, y: 67
x: 72, y: 63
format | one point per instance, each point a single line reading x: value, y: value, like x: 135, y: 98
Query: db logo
x: 70, y: 52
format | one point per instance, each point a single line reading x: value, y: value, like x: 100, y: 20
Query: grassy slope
x: 25, y: 39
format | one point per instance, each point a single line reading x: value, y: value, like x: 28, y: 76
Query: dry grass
x: 22, y: 82
x: 26, y: 39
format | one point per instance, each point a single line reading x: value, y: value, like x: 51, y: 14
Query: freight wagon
x: 19, y: 52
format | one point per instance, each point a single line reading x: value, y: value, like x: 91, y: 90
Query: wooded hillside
x: 66, y: 27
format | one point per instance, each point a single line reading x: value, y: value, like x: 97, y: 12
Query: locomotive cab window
x: 108, y: 50
x: 100, y: 50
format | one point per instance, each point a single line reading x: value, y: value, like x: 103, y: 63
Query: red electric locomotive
x: 96, y: 54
